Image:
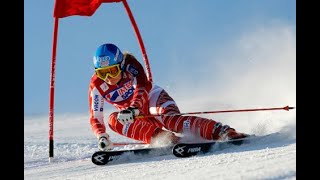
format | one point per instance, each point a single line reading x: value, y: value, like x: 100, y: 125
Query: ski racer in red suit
x: 120, y: 80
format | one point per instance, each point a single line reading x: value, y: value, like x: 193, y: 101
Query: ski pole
x: 221, y: 111
x: 128, y: 143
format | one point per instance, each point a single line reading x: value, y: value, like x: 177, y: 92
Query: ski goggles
x: 112, y: 71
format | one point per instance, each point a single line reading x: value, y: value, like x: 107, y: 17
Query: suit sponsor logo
x: 126, y: 128
x: 96, y: 103
x: 186, y: 125
x: 133, y: 70
x: 122, y: 93
x: 101, y: 106
x: 104, y: 87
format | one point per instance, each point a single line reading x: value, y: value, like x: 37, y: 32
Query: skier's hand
x: 127, y: 115
x: 104, y: 142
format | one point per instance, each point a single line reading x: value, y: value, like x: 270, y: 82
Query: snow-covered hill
x: 272, y: 158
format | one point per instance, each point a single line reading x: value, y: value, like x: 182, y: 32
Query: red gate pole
x: 136, y: 30
x: 52, y: 81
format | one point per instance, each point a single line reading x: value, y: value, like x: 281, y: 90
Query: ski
x: 192, y: 149
x: 180, y: 150
x: 104, y: 157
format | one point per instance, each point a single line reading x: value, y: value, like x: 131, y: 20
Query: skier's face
x: 113, y: 80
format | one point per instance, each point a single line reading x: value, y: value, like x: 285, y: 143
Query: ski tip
x: 100, y: 158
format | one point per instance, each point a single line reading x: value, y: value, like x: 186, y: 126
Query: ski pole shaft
x: 221, y: 111
x: 128, y: 143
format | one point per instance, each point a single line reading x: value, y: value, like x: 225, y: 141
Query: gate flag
x: 64, y: 8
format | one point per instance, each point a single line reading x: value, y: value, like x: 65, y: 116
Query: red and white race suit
x: 134, y: 90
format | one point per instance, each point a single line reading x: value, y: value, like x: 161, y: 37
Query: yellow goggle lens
x: 112, y: 71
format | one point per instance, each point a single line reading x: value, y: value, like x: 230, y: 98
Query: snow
x: 271, y: 158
